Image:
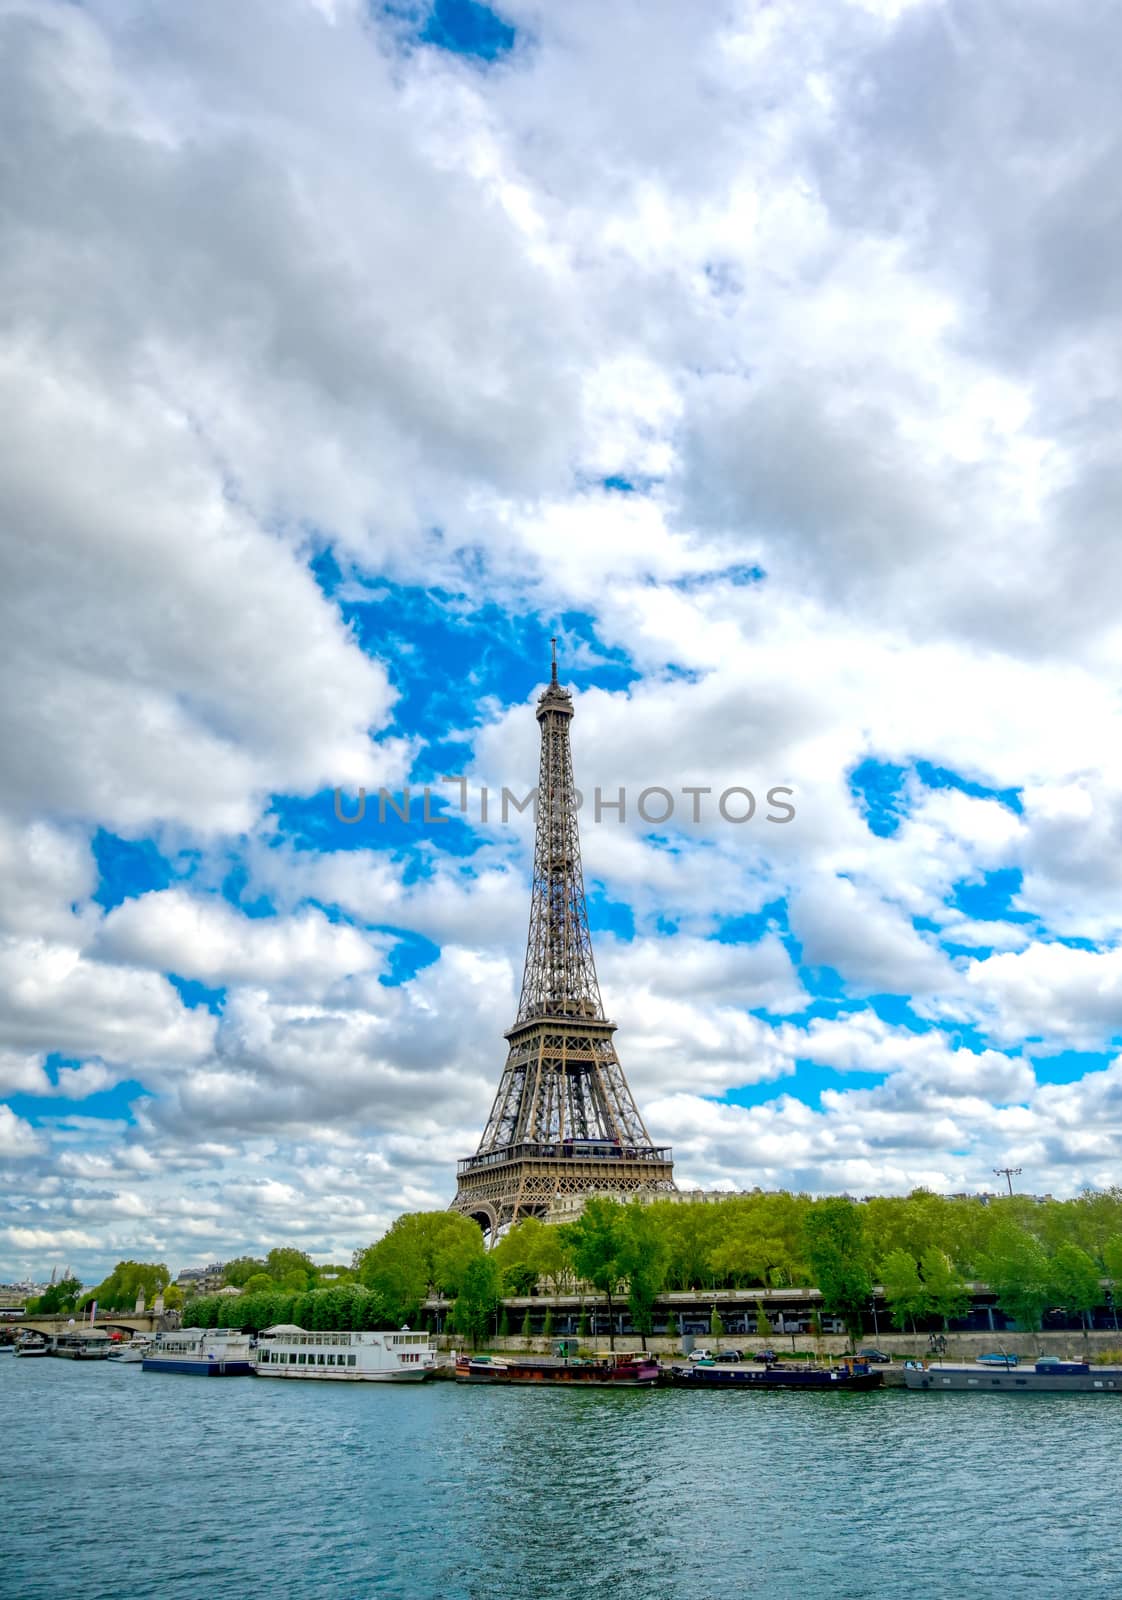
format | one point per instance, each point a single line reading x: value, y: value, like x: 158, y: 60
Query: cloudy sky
x: 767, y: 354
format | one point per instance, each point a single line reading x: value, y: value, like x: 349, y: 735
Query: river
x: 120, y: 1483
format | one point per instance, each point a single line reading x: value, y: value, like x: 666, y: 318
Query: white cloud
x: 18, y: 1139
x: 280, y: 286
x: 207, y: 939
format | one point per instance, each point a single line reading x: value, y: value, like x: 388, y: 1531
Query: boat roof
x: 284, y: 1328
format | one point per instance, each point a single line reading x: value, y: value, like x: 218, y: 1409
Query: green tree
x: 837, y: 1254
x: 582, y: 1324
x: 1018, y: 1271
x: 423, y: 1252
x: 1112, y: 1260
x: 504, y: 1324
x: 547, y: 1325
x: 904, y: 1290
x: 119, y: 1290
x: 672, y: 1329
x: 599, y: 1249
x: 1075, y: 1280
x: 241, y: 1269
x: 58, y: 1298
x: 643, y: 1260
x: 716, y: 1324
x: 947, y: 1293
x: 527, y: 1332
x: 285, y: 1260
x: 763, y: 1322
x: 479, y: 1296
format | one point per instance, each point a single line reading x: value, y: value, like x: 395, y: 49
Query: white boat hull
x: 337, y: 1375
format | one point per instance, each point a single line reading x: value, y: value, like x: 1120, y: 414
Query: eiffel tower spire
x: 563, y: 1121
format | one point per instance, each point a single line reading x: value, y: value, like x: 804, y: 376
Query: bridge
x: 111, y: 1322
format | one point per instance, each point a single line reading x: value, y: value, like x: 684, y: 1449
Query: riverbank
x: 1096, y: 1346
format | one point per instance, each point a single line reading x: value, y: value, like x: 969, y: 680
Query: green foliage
x: 532, y: 1252
x: 838, y: 1256
x: 239, y: 1271
x: 672, y: 1329
x: 582, y: 1324
x: 643, y: 1257
x: 600, y: 1248
x: 716, y: 1324
x: 547, y: 1325
x: 480, y: 1293
x: 58, y: 1298
x: 526, y: 1330
x: 339, y: 1306
x: 424, y: 1252
x: 504, y: 1324
x: 904, y: 1289
x: 1075, y: 1281
x: 1018, y: 1271
x: 946, y: 1291
x: 763, y: 1322
x: 294, y: 1268
x: 119, y: 1290
x: 257, y: 1282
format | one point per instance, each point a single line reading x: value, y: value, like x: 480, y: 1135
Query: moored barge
x: 609, y: 1371
x: 849, y: 1374
x: 1047, y: 1376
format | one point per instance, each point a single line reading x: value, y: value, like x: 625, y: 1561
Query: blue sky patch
x: 468, y: 29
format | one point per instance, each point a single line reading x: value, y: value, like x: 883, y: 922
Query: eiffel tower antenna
x: 563, y: 1121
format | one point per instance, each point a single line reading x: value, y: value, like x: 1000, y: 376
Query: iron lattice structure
x: 563, y: 1121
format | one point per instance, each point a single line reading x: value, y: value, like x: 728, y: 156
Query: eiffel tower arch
x: 563, y: 1121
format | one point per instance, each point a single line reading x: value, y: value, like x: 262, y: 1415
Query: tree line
x: 922, y: 1249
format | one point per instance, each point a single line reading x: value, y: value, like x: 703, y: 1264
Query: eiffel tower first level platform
x: 563, y: 1121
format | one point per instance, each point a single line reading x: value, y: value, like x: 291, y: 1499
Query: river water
x: 126, y: 1484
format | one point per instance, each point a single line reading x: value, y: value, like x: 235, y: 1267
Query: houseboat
x: 850, y: 1374
x: 81, y: 1346
x: 207, y: 1352
x: 286, y: 1351
x: 29, y: 1344
x: 1048, y: 1375
x: 608, y: 1370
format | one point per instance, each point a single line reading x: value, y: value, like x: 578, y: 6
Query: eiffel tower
x: 563, y: 1121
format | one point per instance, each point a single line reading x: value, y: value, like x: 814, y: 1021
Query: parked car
x: 873, y: 1355
x: 700, y: 1354
x: 729, y: 1355
x: 766, y: 1356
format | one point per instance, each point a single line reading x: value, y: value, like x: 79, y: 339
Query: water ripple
x: 122, y: 1483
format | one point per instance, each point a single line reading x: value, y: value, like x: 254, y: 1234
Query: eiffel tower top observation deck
x: 563, y: 1121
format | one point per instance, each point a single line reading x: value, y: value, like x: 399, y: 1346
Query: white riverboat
x: 285, y: 1351
x: 131, y: 1353
x: 207, y: 1352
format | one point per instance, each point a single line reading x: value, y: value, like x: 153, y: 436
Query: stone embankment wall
x: 960, y: 1346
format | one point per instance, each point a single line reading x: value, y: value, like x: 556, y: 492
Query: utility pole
x: 1008, y: 1173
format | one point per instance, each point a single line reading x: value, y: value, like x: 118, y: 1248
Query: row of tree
x: 922, y: 1249
x: 343, y: 1305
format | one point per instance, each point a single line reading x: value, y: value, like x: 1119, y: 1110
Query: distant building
x: 202, y: 1280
